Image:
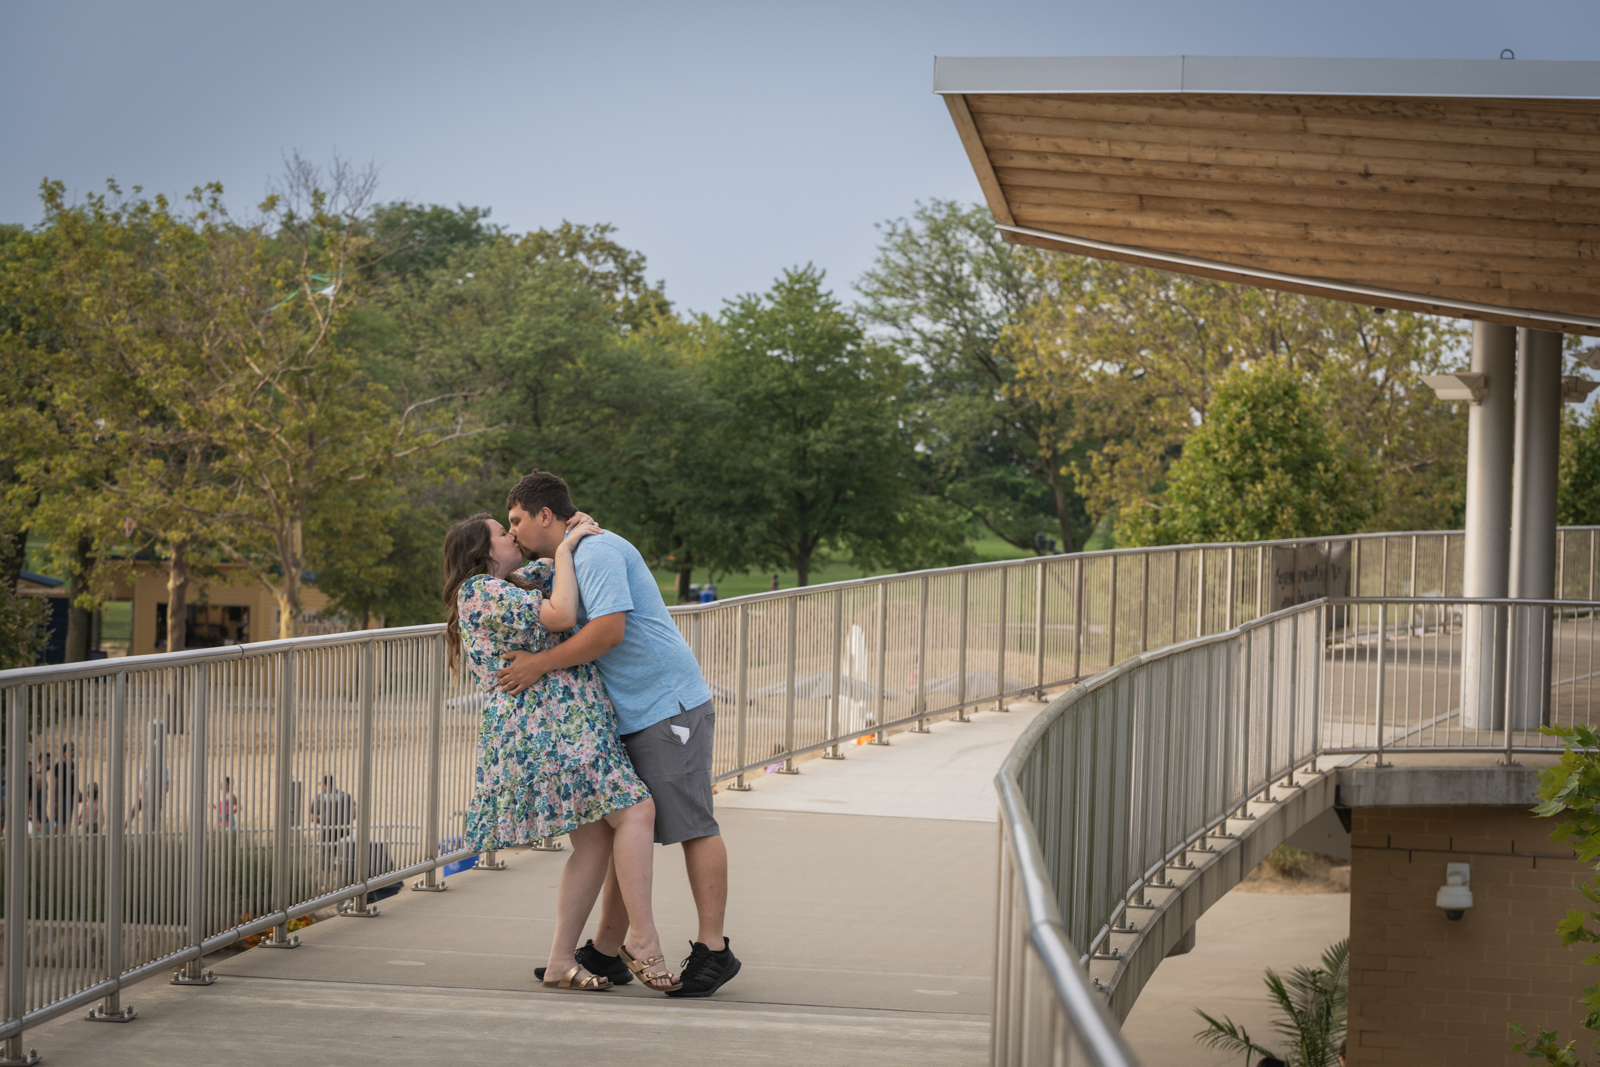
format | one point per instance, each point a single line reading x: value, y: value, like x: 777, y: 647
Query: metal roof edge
x: 1558, y: 79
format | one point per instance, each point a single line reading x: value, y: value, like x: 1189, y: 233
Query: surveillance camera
x: 1454, y: 896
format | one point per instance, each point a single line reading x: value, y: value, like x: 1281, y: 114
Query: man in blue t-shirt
x: 664, y: 714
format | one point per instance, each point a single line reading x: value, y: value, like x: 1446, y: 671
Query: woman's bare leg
x: 613, y: 928
x: 580, y: 884
x: 632, y: 853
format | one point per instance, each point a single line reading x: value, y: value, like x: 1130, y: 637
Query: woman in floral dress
x: 549, y: 759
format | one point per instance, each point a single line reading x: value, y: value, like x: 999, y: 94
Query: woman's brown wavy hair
x: 467, y: 552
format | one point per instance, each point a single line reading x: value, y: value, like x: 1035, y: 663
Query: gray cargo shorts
x: 678, y: 773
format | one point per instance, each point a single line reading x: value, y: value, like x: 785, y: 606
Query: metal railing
x: 158, y: 808
x: 1128, y: 777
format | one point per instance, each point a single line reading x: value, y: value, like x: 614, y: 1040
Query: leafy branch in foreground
x: 1572, y: 788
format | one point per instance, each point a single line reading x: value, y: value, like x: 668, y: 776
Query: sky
x: 726, y: 142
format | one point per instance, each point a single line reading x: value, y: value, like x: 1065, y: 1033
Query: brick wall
x: 1424, y: 990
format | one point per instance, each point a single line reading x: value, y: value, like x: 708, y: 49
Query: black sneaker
x: 594, y: 961
x: 705, y: 972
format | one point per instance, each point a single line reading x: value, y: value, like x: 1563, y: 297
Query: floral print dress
x: 549, y: 758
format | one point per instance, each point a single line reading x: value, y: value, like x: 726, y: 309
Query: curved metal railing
x: 1129, y: 780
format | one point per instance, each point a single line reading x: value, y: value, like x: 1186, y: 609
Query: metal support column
x: 284, y: 815
x: 432, y: 881
x: 1078, y: 628
x: 1533, y: 526
x: 741, y: 697
x: 193, y: 973
x: 1486, y: 557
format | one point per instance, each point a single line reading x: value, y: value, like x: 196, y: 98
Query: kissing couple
x: 597, y: 725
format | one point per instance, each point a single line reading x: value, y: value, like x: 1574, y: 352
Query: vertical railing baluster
x: 1144, y: 609
x: 1111, y: 616
x: 1000, y: 656
x: 922, y: 659
x: 193, y: 972
x: 961, y: 651
x: 18, y: 767
x: 741, y: 695
x: 1227, y: 611
x: 111, y: 1009
x: 833, y: 688
x: 1038, y: 628
x: 284, y: 809
x: 881, y: 737
x: 432, y: 881
x: 1078, y: 628
x: 361, y: 868
x: 1383, y: 611
x: 791, y: 635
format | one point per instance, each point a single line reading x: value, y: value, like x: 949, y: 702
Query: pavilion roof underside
x: 1473, y: 207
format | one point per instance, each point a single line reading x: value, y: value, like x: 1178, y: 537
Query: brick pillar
x: 1425, y: 991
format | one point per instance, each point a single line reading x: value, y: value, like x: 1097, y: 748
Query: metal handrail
x: 795, y: 673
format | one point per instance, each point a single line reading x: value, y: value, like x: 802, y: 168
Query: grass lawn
x: 987, y: 549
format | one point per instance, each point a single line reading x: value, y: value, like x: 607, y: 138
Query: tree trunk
x: 685, y: 572
x: 178, y: 597
x: 1058, y: 493
x: 294, y: 562
x: 78, y: 619
x: 16, y: 555
x: 802, y: 567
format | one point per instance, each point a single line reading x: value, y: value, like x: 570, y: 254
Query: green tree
x: 1262, y: 466
x: 1578, y: 492
x: 943, y: 291
x: 813, y: 451
x: 1139, y: 355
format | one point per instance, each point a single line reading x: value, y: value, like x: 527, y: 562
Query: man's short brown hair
x: 540, y: 490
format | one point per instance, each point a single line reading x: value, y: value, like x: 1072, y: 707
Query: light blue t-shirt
x: 652, y: 674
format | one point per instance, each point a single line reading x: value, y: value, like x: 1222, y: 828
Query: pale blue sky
x: 725, y: 141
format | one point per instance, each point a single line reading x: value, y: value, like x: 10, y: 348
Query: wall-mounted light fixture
x: 1469, y: 386
x: 1455, y: 896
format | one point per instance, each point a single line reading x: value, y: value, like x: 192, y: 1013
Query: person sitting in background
x: 227, y: 805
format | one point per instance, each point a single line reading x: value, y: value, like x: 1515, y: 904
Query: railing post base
x: 11, y: 1055
x: 921, y: 727
x: 357, y: 908
x: 281, y: 938
x: 429, y: 883
x: 880, y: 738
x: 193, y: 975
x: 488, y: 862
x: 738, y: 785
x: 111, y: 1010
x: 788, y: 767
x: 833, y: 753
x: 547, y: 844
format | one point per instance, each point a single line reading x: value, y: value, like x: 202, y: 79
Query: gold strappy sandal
x: 641, y: 968
x: 595, y: 983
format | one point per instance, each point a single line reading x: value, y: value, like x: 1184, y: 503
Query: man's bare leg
x: 707, y: 861
x: 613, y: 928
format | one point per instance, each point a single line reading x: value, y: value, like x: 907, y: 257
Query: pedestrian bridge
x: 1215, y: 692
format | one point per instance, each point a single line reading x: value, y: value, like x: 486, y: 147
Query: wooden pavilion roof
x: 1468, y: 188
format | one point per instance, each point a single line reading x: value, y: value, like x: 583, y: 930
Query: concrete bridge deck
x: 861, y: 902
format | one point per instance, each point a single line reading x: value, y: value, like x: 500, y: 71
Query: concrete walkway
x: 838, y: 876
x: 861, y: 902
